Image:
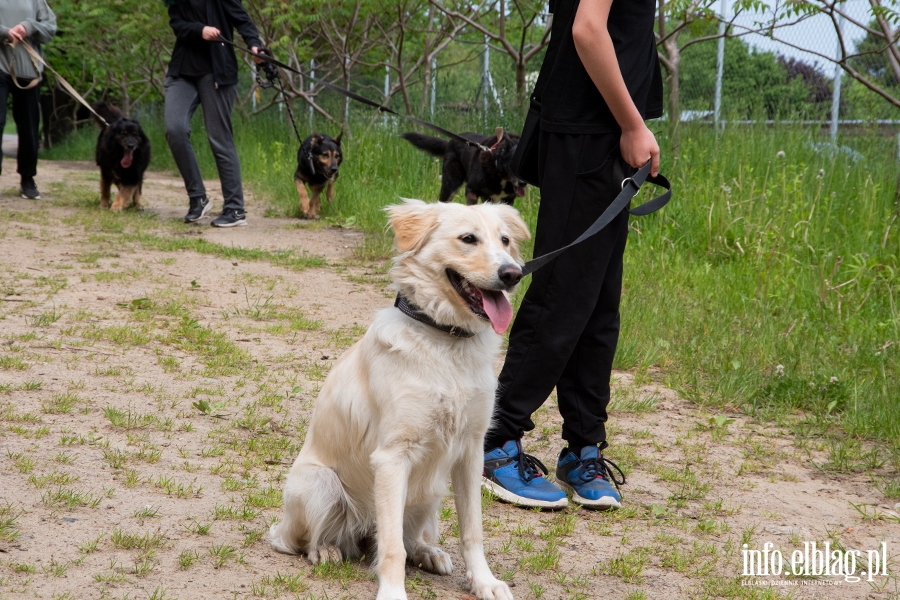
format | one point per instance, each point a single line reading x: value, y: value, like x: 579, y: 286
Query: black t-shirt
x: 197, y: 59
x: 570, y: 102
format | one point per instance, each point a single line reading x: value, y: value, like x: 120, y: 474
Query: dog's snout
x: 510, y: 274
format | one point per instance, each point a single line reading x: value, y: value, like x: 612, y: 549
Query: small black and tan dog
x: 318, y: 160
x: 486, y: 173
x: 123, y: 154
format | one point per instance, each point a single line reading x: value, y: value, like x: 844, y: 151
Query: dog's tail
x: 317, y: 512
x: 109, y: 113
x: 432, y: 145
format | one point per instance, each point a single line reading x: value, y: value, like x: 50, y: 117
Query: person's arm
x: 184, y: 29
x: 241, y: 21
x: 598, y: 55
x: 43, y: 28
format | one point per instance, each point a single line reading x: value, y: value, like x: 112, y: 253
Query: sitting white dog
x: 406, y: 408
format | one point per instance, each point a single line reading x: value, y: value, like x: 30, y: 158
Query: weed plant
x: 769, y: 284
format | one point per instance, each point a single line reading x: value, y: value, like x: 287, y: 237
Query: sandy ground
x: 151, y: 400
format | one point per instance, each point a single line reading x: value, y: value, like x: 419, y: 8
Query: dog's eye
x: 468, y: 239
x: 505, y: 240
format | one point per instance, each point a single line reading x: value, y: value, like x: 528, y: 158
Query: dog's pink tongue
x: 520, y: 190
x: 126, y: 160
x: 498, y: 309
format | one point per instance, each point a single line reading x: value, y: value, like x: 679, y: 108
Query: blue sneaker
x: 516, y: 477
x: 588, y: 478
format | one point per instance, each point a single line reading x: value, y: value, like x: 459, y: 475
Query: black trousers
x: 26, y: 110
x: 566, y: 330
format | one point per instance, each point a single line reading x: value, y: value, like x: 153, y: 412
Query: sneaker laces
x: 593, y: 468
x: 530, y: 466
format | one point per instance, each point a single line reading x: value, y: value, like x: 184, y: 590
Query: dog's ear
x: 513, y: 221
x: 337, y: 140
x: 315, y: 138
x: 412, y: 221
x: 499, y: 133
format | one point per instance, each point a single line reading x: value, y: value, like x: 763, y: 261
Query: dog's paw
x: 390, y: 592
x: 433, y: 559
x: 324, y: 554
x: 491, y: 589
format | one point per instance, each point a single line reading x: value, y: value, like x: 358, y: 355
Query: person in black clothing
x: 601, y: 80
x: 205, y: 73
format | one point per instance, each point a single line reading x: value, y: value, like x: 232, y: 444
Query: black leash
x: 271, y: 74
x: 630, y: 187
x: 355, y: 96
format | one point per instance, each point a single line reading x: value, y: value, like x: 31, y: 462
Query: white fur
x: 405, y: 410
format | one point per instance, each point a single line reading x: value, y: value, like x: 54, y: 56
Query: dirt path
x: 156, y: 380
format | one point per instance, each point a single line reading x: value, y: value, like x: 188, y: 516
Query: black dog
x: 486, y: 173
x: 318, y: 160
x: 123, y: 154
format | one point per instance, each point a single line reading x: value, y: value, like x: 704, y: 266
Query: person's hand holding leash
x: 18, y: 34
x: 211, y: 34
x: 639, y: 144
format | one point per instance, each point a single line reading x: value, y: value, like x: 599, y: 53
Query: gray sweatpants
x: 183, y: 95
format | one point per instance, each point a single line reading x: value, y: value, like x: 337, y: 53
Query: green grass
x: 769, y: 284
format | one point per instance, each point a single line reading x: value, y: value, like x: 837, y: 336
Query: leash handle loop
x: 630, y: 187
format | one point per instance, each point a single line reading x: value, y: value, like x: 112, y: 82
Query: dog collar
x: 412, y: 311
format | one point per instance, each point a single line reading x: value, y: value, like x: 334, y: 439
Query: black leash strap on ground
x: 357, y: 97
x: 630, y: 187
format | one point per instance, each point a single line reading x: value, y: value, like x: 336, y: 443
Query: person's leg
x: 583, y: 388
x: 182, y: 100
x: 5, y: 85
x: 26, y: 111
x: 564, y: 293
x: 217, y: 103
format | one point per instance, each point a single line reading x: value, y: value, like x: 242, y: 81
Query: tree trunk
x: 672, y: 67
x: 521, y: 92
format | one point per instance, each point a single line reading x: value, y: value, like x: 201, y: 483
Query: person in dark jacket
x: 603, y: 81
x: 203, y: 72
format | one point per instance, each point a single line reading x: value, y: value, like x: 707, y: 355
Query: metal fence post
x: 836, y: 90
x: 433, y: 83
x: 387, y: 88
x: 720, y: 67
x: 312, y: 73
x: 485, y: 79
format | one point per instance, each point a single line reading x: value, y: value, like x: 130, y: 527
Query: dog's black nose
x: 510, y: 274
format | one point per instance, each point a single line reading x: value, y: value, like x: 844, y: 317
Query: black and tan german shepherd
x: 486, y: 173
x: 318, y: 160
x: 123, y: 155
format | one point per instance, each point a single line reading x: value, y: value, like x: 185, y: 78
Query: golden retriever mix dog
x: 406, y: 408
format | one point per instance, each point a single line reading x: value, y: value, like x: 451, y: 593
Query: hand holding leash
x: 267, y: 68
x: 18, y: 34
x: 211, y: 34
